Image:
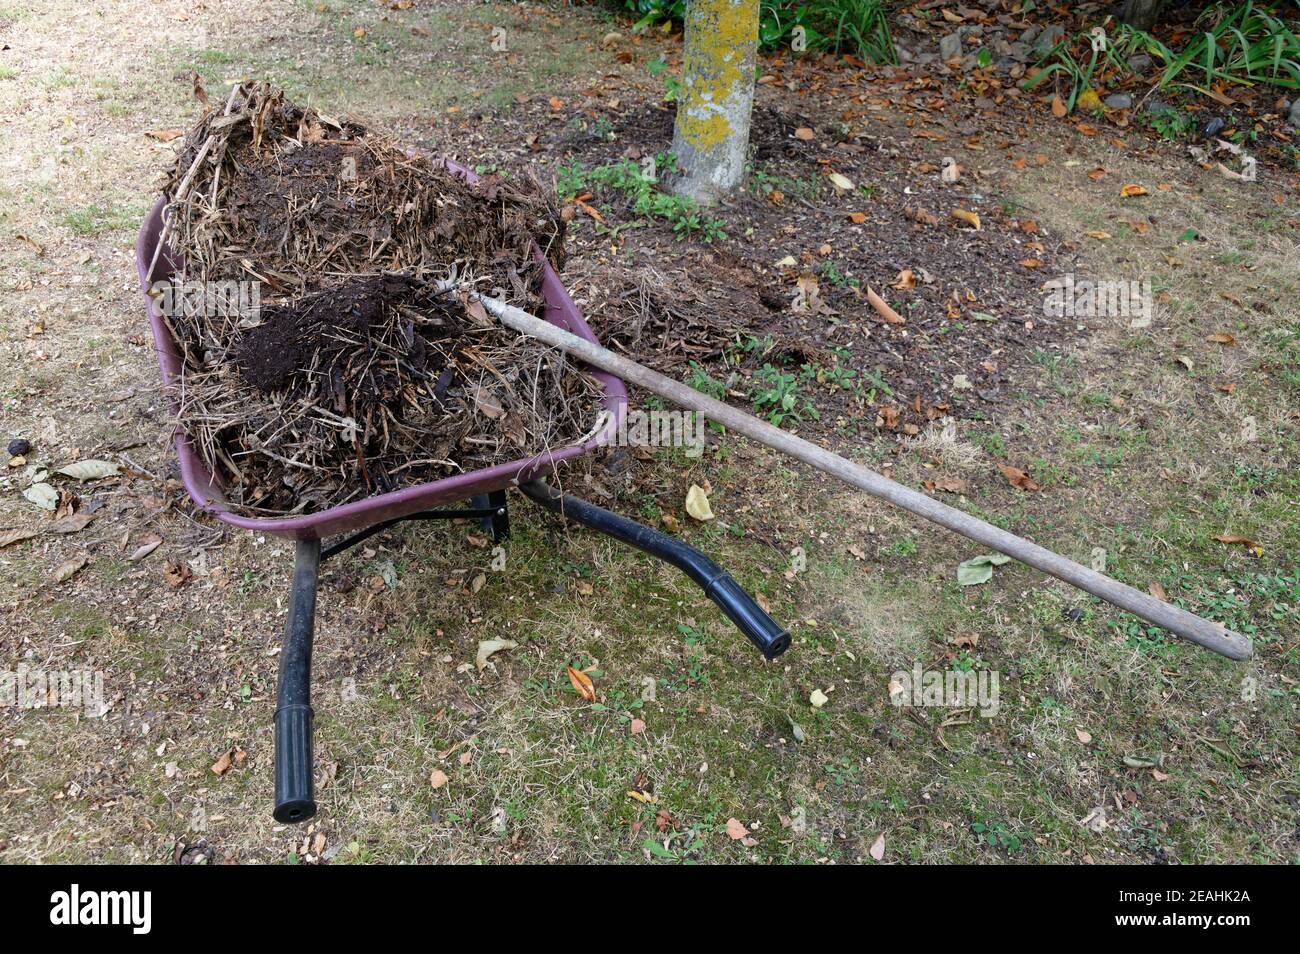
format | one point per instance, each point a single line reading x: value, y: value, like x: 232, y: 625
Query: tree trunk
x: 1141, y: 13
x: 711, y: 134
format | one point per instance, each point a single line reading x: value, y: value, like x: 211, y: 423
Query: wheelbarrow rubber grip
x: 293, y: 765
x: 294, y: 798
x: 749, y: 617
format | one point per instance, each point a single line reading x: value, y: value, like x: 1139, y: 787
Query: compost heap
x: 354, y: 376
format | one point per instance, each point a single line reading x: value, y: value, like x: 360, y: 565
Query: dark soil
x: 973, y: 304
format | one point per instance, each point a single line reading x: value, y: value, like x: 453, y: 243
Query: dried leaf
x: 1222, y: 338
x: 89, y: 470
x: 177, y: 575
x: 1246, y: 542
x: 951, y: 485
x: 636, y: 727
x: 1082, y: 735
x: 582, y: 683
x: 697, y: 503
x: 877, y: 849
x: 818, y: 699
x: 43, y: 495
x: 905, y: 279
x: 72, y: 523
x: 804, y: 133
x: 486, y: 403
x: 882, y: 307
x: 736, y: 829
x: 18, y: 535
x: 1130, y: 191
x: 970, y: 218
x: 165, y: 135
x: 842, y: 183
x: 146, y: 546
x: 437, y: 779
x: 70, y: 568
x: 1089, y: 100
x: 486, y: 649
x: 222, y: 765
x: 1017, y: 477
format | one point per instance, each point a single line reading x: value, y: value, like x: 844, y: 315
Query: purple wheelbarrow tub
x: 206, y: 491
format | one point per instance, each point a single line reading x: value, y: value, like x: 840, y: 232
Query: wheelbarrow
x: 319, y: 536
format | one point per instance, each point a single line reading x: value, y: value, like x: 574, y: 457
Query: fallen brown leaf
x: 1017, y: 477
x: 1231, y: 538
x: 582, y: 683
x: 951, y: 485
x: 10, y: 537
x: 146, y: 546
x: 882, y: 307
x: 177, y: 574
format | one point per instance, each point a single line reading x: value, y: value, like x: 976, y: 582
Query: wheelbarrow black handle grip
x: 294, y: 801
x: 749, y: 617
x: 294, y: 798
x: 717, y: 584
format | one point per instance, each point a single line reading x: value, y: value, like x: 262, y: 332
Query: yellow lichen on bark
x: 715, y: 66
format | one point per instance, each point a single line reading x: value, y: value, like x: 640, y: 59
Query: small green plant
x: 683, y: 213
x: 1168, y: 123
x: 679, y: 848
x: 844, y: 772
x: 830, y: 270
x: 777, y: 396
x: 705, y: 383
x: 570, y: 180
x: 905, y: 547
x: 1242, y: 43
x: 997, y: 835
x: 672, y: 85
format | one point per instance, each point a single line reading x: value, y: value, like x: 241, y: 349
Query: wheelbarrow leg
x: 294, y: 797
x: 497, y: 526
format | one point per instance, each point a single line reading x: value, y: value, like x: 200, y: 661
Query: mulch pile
x: 349, y: 373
